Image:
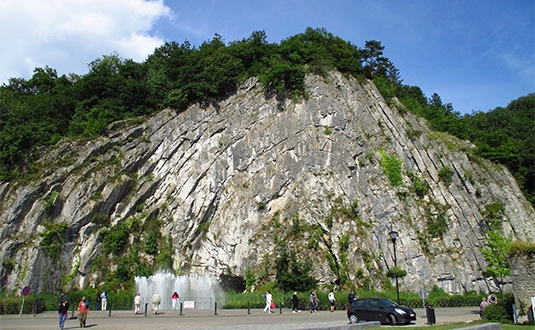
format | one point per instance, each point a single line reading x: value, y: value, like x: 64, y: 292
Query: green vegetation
x: 123, y: 243
x: 52, y: 239
x: 451, y: 326
x: 396, y: 272
x: 497, y: 246
x: 164, y: 260
x: 204, y: 227
x: 152, y: 239
x: 50, y: 202
x: 413, y: 134
x: 100, y: 219
x: 419, y: 187
x: 115, y: 239
x: 522, y: 248
x: 261, y: 206
x: 445, y: 174
x: 8, y: 264
x: 437, y: 226
x: 502, y: 312
x: 292, y: 274
x: 250, y: 279
x: 391, y: 164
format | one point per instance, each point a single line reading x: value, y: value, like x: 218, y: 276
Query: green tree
x: 496, y: 253
x: 293, y: 275
x: 152, y: 240
x: 396, y: 272
x: 375, y: 64
x: 497, y: 246
x: 115, y: 239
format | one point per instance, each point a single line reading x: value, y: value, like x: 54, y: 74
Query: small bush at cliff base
x: 496, y: 313
x: 502, y: 312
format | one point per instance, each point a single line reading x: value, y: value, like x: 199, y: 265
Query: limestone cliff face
x: 232, y: 182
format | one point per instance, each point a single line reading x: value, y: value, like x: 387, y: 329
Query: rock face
x: 232, y: 182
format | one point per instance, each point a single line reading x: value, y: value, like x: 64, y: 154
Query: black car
x: 379, y: 309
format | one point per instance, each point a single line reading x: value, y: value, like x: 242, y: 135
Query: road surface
x: 235, y: 319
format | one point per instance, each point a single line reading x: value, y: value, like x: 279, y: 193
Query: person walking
x: 104, y: 300
x: 63, y: 312
x: 137, y: 303
x: 316, y: 302
x: 63, y: 297
x: 269, y: 300
x: 332, y: 300
x: 82, y: 312
x: 295, y: 303
x: 174, y: 298
x: 313, y: 302
x: 97, y: 299
x: 156, y: 300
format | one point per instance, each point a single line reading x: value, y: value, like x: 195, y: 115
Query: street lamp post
x: 394, y: 236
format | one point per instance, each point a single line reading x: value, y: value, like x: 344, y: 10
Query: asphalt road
x: 225, y: 319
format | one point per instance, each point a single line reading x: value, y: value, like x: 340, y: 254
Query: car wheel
x: 353, y: 319
x: 392, y: 319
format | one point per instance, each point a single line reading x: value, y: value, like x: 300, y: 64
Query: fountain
x: 204, y: 291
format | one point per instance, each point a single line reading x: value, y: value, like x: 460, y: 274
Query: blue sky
x: 477, y: 55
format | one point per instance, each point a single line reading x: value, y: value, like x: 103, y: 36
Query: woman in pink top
x: 82, y: 312
x: 174, y: 298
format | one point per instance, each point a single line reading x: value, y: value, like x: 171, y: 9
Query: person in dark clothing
x: 63, y: 297
x: 97, y: 301
x: 63, y: 312
x: 351, y: 297
x: 295, y: 303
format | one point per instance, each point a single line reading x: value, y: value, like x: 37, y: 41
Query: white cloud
x: 68, y: 34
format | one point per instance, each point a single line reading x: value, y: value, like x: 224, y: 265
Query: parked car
x: 379, y: 309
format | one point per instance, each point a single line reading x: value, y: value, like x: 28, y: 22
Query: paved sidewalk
x: 233, y: 319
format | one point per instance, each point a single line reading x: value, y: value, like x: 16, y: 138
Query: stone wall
x: 523, y: 276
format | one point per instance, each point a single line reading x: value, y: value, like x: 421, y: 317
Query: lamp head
x: 393, y: 235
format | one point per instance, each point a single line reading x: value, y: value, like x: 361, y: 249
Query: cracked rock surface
x: 230, y: 179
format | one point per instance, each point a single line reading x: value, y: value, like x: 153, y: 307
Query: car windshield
x: 388, y: 303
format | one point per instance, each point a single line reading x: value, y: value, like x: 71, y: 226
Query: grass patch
x: 465, y: 325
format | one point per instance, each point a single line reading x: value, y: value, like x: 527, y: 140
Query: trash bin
x: 430, y: 313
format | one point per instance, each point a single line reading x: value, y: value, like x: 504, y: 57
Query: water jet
x: 204, y: 291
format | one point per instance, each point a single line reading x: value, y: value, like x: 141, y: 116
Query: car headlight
x: 400, y: 311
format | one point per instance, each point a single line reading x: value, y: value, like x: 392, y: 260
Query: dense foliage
x: 293, y: 275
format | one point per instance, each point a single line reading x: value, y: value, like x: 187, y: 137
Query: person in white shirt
x: 269, y: 299
x: 156, y: 300
x: 137, y: 302
x: 332, y: 300
x: 104, y: 300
